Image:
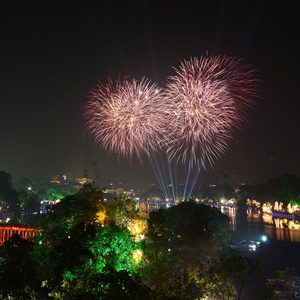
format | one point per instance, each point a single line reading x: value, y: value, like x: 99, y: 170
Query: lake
x: 282, y: 250
x: 247, y: 223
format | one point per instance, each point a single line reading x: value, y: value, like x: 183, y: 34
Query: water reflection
x: 251, y: 223
x: 231, y: 212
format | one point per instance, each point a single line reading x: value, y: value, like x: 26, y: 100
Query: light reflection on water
x: 231, y: 213
x: 249, y: 223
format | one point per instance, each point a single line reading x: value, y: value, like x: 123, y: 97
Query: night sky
x: 53, y: 55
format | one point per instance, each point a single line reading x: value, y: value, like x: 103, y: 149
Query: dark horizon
x: 52, y: 56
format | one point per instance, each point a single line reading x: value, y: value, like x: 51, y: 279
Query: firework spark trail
x: 201, y: 126
x: 209, y: 97
x: 127, y: 117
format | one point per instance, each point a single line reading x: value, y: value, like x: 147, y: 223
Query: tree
x: 29, y: 202
x: 18, y: 277
x: 190, y: 226
x: 122, y: 211
x: 226, y: 276
x: 105, y: 286
x: 283, y: 188
x: 82, y: 263
x: 9, y: 197
x: 80, y: 253
x: 168, y: 276
x: 183, y: 239
x: 281, y: 285
x: 112, y: 247
x: 245, y: 191
x: 72, y: 210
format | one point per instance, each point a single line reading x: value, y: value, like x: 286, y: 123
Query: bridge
x: 7, y: 231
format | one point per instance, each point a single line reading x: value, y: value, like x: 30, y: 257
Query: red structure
x: 6, y: 232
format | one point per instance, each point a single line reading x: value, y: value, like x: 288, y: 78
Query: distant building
x: 62, y: 178
x: 84, y: 180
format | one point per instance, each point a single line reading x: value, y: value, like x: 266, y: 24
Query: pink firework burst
x: 127, y: 117
x: 209, y: 97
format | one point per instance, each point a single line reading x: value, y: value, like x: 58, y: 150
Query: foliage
x: 169, y: 277
x: 72, y: 210
x: 91, y: 250
x: 281, y: 285
x: 295, y: 202
x: 57, y: 191
x: 283, y: 188
x: 227, y: 275
x: 245, y: 191
x: 18, y: 279
x: 184, y: 239
x: 86, y: 262
x: 8, y: 196
x: 29, y: 201
x: 196, y: 225
x: 112, y: 247
x: 107, y: 285
x: 123, y: 211
x: 82, y: 249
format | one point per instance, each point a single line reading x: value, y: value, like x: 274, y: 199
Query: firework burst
x: 208, y: 99
x: 127, y: 117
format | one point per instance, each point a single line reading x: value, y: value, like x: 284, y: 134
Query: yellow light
x: 267, y: 208
x: 138, y: 228
x: 101, y: 216
x: 137, y: 256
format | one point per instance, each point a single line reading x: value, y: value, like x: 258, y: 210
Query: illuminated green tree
x: 95, y: 262
x: 82, y: 257
x: 112, y: 247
